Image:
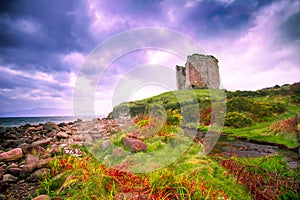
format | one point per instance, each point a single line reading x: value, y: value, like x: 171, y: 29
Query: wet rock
x: 31, y: 159
x: 2, y: 196
x: 38, y: 175
x: 10, y: 144
x: 33, y: 166
x: 2, y: 130
x: 42, y: 143
x: 14, y: 170
x: 23, y: 146
x: 42, y: 197
x: 50, y: 126
x: 9, y: 178
x: 118, y: 152
x: 2, y: 172
x: 3, y: 185
x: 12, y: 155
x: 12, y: 165
x: 35, y: 149
x: 135, y: 145
x: 62, y: 135
x: 54, y: 150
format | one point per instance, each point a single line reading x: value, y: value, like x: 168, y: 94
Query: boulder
x: 44, y: 142
x: 12, y: 155
x: 2, y: 196
x: 62, y: 135
x: 42, y: 197
x: 50, y: 126
x: 35, y: 149
x: 33, y: 166
x: 38, y: 175
x: 2, y: 172
x: 135, y: 145
x: 9, y: 178
x: 31, y: 159
x: 15, y: 171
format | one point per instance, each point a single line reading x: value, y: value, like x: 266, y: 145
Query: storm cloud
x: 44, y: 43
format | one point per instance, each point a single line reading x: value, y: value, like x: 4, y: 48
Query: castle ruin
x: 200, y: 72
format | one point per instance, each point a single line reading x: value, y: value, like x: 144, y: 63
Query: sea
x: 20, y: 121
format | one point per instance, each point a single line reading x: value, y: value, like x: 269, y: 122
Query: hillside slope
x: 267, y: 114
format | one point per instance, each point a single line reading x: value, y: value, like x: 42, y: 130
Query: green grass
x: 190, y: 177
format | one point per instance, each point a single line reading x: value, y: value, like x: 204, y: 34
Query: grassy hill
x: 265, y: 114
x: 173, y: 166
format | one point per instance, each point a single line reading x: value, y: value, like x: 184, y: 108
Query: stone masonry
x: 200, y: 71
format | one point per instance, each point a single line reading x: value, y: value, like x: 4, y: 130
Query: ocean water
x: 19, y: 121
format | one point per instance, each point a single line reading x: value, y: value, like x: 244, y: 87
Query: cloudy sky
x: 45, y: 43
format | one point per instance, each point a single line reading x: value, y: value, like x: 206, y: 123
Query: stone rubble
x: 26, y: 151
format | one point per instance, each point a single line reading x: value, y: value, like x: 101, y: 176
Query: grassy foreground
x: 171, y: 167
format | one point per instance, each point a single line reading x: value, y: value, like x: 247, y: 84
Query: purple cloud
x: 43, y: 44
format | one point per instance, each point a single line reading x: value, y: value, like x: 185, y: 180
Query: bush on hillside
x: 237, y: 120
x: 239, y: 104
x: 261, y: 109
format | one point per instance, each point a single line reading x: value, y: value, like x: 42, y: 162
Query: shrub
x: 295, y: 99
x: 239, y: 104
x: 237, y: 120
x: 173, y: 117
x: 279, y: 108
x: 288, y: 126
x: 261, y: 109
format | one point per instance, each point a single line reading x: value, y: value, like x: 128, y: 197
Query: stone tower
x: 200, y: 71
x: 180, y: 77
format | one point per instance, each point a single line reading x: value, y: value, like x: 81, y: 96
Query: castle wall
x: 180, y: 77
x: 202, y: 72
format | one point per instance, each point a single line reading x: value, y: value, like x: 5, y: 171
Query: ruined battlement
x: 200, y: 71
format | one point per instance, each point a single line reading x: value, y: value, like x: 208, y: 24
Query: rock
x: 12, y: 155
x: 54, y: 150
x: 38, y: 175
x: 3, y: 185
x: 62, y: 135
x: 50, y: 126
x: 2, y: 130
x: 33, y: 166
x: 42, y: 197
x: 12, y: 165
x: 35, y: 149
x: 2, y: 172
x: 10, y: 144
x: 2, y: 196
x: 15, y: 171
x: 23, y: 146
x: 42, y: 143
x: 118, y: 152
x: 31, y: 159
x: 132, y: 196
x: 9, y: 178
x: 105, y: 145
x: 135, y: 145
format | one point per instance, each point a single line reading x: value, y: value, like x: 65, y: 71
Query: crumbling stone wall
x: 200, y: 71
x: 180, y: 77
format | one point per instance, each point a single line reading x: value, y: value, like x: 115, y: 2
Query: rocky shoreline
x: 26, y: 152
